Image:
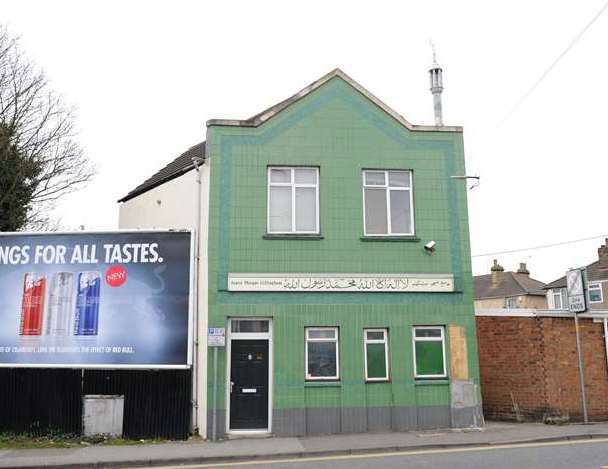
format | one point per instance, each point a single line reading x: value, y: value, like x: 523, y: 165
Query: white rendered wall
x: 171, y: 205
x: 177, y: 210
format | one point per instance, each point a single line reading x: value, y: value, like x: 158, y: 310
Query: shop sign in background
x: 92, y: 300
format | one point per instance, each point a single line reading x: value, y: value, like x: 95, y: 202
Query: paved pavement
x: 251, y: 448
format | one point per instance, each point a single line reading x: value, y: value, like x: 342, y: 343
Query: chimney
x: 497, y: 271
x: 523, y: 269
x: 602, y: 255
x: 436, y: 76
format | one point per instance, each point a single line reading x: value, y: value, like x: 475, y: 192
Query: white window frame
x: 387, y: 187
x: 429, y: 339
x: 293, y: 186
x: 377, y: 341
x: 596, y: 286
x: 336, y: 339
x: 557, y: 293
x: 561, y: 293
x: 511, y: 299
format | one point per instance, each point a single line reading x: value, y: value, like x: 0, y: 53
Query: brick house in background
x: 597, y: 279
x: 527, y: 357
x: 509, y: 290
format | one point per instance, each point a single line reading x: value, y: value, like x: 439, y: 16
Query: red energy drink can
x: 32, y: 304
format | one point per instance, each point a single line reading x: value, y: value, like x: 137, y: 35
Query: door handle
x: 231, y: 386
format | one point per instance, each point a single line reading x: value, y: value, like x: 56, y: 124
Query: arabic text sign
x: 341, y: 282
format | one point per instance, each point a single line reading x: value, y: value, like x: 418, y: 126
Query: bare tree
x: 41, y: 129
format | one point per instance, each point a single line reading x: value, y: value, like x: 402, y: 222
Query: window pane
x: 374, y: 178
x: 322, y: 359
x: 249, y: 326
x: 306, y: 209
x: 595, y: 293
x: 400, y: 212
x: 428, y: 332
x: 429, y: 358
x: 375, y: 211
x: 280, y: 175
x: 399, y: 179
x: 557, y: 300
x: 375, y: 335
x: 280, y: 208
x: 376, y: 361
x: 322, y: 334
x: 306, y: 176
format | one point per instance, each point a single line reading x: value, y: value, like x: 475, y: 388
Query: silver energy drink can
x: 60, y: 308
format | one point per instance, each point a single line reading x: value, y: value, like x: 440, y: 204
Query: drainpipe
x: 197, y: 161
x: 606, y: 338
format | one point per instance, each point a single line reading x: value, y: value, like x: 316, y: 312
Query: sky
x: 145, y: 76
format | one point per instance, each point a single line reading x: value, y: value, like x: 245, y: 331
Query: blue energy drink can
x: 87, y: 303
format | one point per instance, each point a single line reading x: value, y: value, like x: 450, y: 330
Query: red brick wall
x: 532, y: 363
x: 561, y: 363
x: 510, y: 365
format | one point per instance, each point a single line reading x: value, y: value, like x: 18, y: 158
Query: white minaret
x: 436, y: 75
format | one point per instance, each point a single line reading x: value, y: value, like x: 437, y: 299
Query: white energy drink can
x: 60, y: 308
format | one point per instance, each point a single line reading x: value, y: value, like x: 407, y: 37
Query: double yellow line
x: 390, y: 454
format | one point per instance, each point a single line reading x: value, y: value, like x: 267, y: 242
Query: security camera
x: 430, y: 247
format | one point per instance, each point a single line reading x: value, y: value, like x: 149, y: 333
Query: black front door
x: 249, y: 384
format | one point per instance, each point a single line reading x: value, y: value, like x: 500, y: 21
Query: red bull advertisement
x: 32, y: 304
x: 96, y: 300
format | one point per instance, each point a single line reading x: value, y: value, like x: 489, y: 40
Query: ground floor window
x: 429, y: 351
x: 322, y: 353
x: 376, y: 354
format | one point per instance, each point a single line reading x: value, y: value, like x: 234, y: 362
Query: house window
x: 559, y: 298
x: 511, y: 303
x: 429, y: 352
x: 387, y: 200
x: 376, y: 354
x: 322, y: 355
x: 595, y: 293
x: 293, y: 200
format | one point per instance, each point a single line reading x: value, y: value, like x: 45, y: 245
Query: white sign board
x: 576, y: 291
x: 358, y: 283
x: 216, y: 337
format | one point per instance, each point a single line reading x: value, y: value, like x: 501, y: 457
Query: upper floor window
x: 293, y: 200
x: 595, y: 293
x: 558, y: 296
x: 388, y: 206
x: 511, y: 303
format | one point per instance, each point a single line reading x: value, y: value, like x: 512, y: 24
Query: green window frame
x: 429, y: 352
x: 375, y: 349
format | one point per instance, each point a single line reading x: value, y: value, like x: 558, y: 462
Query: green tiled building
x: 339, y: 264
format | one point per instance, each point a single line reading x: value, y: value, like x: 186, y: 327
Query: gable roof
x: 507, y: 284
x: 180, y: 165
x: 183, y: 163
x: 594, y: 273
x: 272, y: 111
